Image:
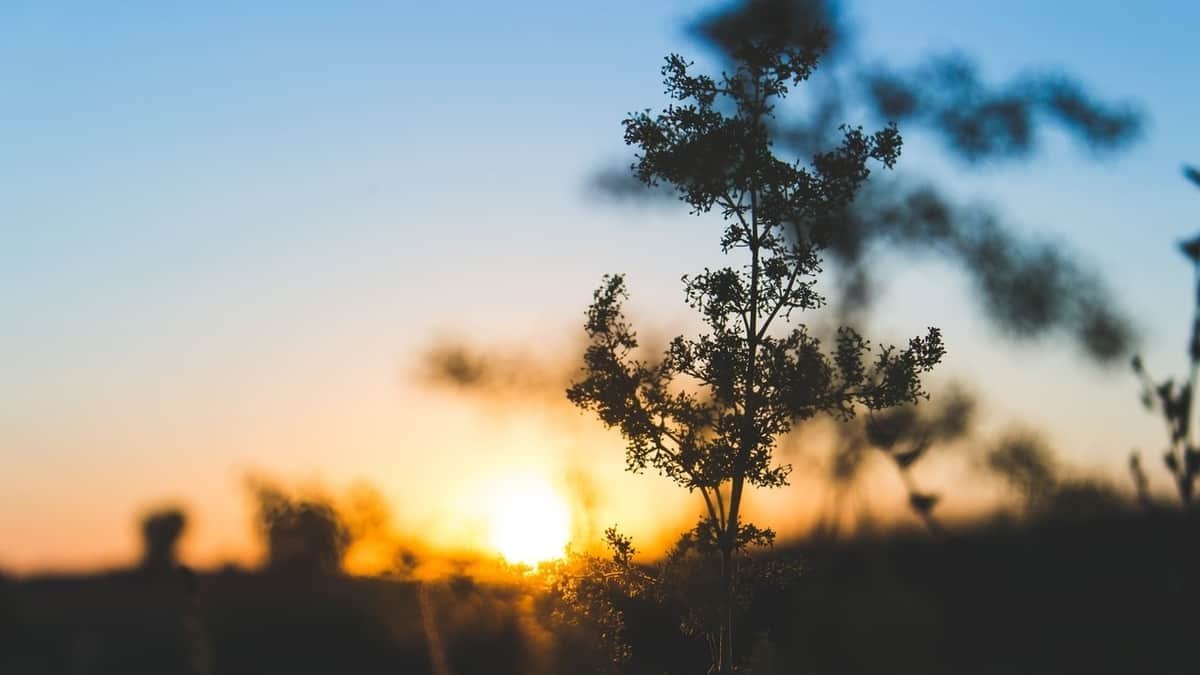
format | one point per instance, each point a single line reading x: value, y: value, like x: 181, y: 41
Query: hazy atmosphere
x: 257, y: 254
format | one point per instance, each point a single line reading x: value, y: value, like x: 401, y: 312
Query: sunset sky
x: 228, y: 235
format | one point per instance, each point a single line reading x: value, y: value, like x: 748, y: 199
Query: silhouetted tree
x: 1028, y: 466
x: 1174, y: 401
x: 709, y: 412
x: 161, y: 531
x: 1026, y: 287
x: 302, y: 535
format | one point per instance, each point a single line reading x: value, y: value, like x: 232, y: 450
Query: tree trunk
x: 724, y: 662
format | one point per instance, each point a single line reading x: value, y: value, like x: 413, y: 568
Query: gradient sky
x: 226, y: 234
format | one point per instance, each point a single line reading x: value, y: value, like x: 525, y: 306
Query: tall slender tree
x: 709, y: 412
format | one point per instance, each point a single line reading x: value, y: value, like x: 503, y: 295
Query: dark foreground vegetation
x: 1110, y: 593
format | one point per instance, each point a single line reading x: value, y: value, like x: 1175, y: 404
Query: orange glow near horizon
x: 529, y: 522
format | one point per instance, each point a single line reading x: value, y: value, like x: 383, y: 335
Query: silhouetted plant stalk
x: 709, y: 411
x: 1182, y: 457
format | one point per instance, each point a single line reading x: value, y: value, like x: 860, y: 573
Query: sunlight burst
x: 530, y: 522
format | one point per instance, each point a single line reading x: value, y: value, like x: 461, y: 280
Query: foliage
x: 1174, y: 401
x: 302, y: 535
x: 1026, y: 287
x: 592, y: 595
x: 588, y: 589
x: 708, y: 413
x: 688, y: 582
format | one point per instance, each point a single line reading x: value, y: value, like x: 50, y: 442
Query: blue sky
x: 215, y: 217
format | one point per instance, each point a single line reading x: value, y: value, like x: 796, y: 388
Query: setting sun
x: 530, y: 522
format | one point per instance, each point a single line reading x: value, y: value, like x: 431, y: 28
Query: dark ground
x: 1114, y: 594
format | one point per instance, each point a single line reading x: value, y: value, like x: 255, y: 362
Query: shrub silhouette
x: 1028, y: 465
x: 161, y: 531
x: 302, y: 534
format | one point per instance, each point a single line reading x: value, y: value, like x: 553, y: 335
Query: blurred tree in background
x: 303, y: 535
x: 161, y: 531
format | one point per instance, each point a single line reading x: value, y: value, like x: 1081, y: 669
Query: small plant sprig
x: 1172, y: 400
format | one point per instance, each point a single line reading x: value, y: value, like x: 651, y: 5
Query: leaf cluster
x: 588, y: 591
x: 692, y: 434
